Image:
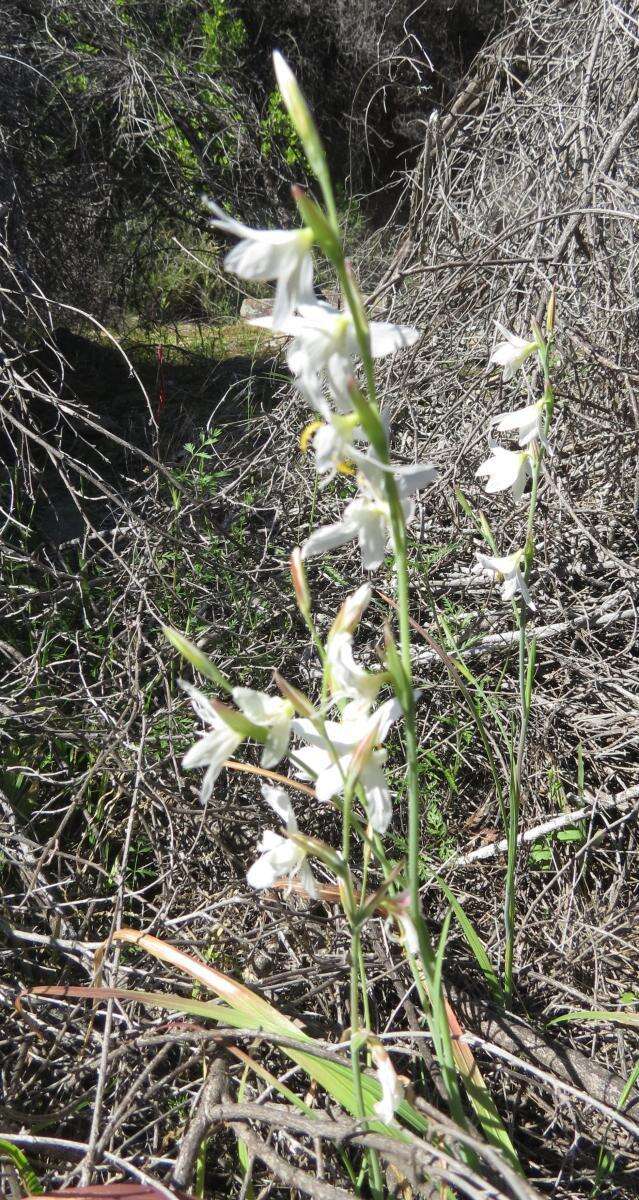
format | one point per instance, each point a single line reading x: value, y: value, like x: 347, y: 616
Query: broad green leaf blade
x: 479, y: 1095
x: 243, y: 1009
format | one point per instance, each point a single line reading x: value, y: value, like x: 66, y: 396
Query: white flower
x: 512, y: 353
x: 215, y: 747
x: 392, y: 1090
x: 333, y: 444
x: 506, y: 469
x: 349, y: 680
x: 367, y: 517
x: 508, y: 569
x: 324, y: 339
x: 271, y: 713
x: 281, y: 254
x: 527, y: 422
x: 330, y: 751
x: 280, y: 857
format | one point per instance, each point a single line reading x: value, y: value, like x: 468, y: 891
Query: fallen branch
x: 496, y: 643
x: 620, y: 801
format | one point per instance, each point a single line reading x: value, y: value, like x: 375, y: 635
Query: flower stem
x: 356, y: 1068
x: 368, y: 411
x: 525, y: 667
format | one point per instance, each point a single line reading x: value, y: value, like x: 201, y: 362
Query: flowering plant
x: 335, y: 743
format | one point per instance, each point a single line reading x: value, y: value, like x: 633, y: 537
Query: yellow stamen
x: 346, y: 468
x: 307, y: 434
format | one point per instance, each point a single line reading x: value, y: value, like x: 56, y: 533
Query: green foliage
x: 178, y: 144
x: 223, y: 34
x: 277, y: 129
x: 78, y: 83
x: 28, y: 1177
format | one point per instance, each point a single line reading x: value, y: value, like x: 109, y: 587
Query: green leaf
x: 244, y: 1009
x: 596, y: 1014
x: 570, y: 835
x: 28, y: 1177
x: 474, y: 941
x: 196, y: 657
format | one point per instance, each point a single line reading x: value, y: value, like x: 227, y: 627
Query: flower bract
x: 352, y: 610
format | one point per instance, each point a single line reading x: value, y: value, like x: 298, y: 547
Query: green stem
x: 356, y: 1068
x: 368, y: 411
x: 525, y: 702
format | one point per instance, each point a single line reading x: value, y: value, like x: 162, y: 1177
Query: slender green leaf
x: 530, y: 672
x: 474, y: 941
x: 28, y: 1177
x: 606, y: 1159
x: 590, y: 1014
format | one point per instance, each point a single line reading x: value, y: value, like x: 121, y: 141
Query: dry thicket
x: 530, y: 178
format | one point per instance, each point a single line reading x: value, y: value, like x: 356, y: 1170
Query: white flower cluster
x: 322, y: 358
x: 334, y: 754
x: 511, y: 469
x: 344, y: 754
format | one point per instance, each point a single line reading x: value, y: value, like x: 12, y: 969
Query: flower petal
x: 378, y: 798
x: 307, y: 880
x: 201, y: 704
x: 276, y: 744
x: 310, y: 761
x: 329, y: 537
x: 213, y: 749
x: 386, y: 338
x: 263, y: 873
x: 330, y: 782
x: 413, y: 478
x: 385, y: 717
x: 372, y: 535
x: 278, y: 800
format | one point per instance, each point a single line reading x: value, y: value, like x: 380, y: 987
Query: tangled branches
x: 529, y: 179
